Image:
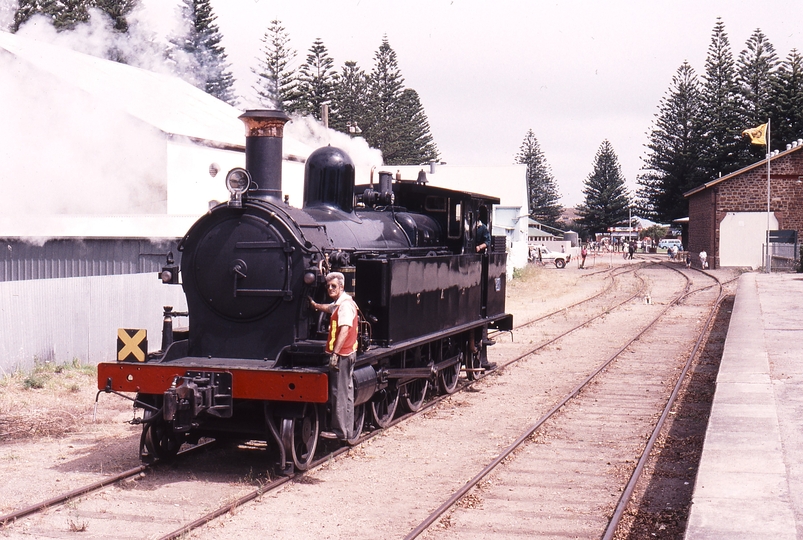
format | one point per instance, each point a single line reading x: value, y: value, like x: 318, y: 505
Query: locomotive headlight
x: 309, y: 278
x: 169, y: 274
x: 237, y: 182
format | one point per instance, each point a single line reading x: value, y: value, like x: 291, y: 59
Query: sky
x: 573, y: 72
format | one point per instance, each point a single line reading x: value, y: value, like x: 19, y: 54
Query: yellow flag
x: 758, y: 135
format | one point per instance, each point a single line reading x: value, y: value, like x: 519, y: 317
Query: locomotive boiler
x: 251, y: 363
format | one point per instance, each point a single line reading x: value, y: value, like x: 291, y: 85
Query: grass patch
x: 46, y: 400
x: 51, y: 376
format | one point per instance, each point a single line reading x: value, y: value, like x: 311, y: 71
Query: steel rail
x: 509, y: 450
x: 12, y: 517
x: 203, y: 520
x: 627, y: 493
x: 59, y: 499
x: 583, y: 301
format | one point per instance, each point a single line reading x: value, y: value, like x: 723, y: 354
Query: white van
x: 666, y: 243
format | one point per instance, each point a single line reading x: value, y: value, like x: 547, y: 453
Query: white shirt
x: 346, y: 309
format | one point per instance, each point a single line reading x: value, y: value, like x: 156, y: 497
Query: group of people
x: 672, y: 252
x: 703, y: 259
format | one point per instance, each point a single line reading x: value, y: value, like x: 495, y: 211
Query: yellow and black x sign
x: 132, y: 345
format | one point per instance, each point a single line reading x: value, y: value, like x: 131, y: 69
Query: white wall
x: 741, y: 237
x: 512, y: 222
x: 57, y: 320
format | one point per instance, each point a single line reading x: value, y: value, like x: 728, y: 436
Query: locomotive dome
x: 329, y: 179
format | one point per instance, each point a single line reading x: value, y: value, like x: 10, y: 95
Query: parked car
x: 547, y: 255
x: 667, y: 243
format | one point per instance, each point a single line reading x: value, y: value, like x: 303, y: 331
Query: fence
x: 783, y: 250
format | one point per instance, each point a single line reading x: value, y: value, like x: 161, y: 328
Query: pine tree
x: 117, y: 10
x: 723, y: 147
x: 385, y: 85
x: 198, y: 56
x: 315, y: 82
x: 606, y: 200
x: 275, y: 79
x: 756, y: 66
x: 542, y: 193
x: 63, y: 14
x: 414, y: 144
x: 787, y: 102
x: 24, y: 11
x: 349, y: 99
x: 67, y: 14
x: 672, y: 164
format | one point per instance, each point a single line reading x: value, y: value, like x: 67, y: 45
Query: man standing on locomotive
x: 341, y: 344
x: 482, y: 244
x: 483, y: 237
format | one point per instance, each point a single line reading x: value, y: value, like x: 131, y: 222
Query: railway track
x: 106, y: 481
x: 465, y: 385
x: 606, y: 304
x: 575, y: 440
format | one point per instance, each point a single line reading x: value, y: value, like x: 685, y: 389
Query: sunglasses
x: 332, y: 286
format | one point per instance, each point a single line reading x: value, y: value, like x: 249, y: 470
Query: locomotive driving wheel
x: 383, y: 406
x: 359, y: 421
x: 448, y: 377
x: 414, y: 394
x: 300, y: 436
x: 473, y: 363
x: 158, y: 438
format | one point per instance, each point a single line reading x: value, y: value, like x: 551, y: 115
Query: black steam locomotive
x: 251, y: 363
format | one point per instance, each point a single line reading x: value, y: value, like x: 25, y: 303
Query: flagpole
x: 769, y: 153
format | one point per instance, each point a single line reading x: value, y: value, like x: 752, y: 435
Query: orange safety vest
x: 350, y: 345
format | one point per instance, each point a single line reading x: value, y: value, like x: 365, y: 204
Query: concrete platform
x: 750, y: 481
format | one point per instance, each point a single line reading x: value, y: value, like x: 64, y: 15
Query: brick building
x: 728, y: 216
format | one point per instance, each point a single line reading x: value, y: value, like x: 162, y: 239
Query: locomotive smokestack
x: 264, y: 130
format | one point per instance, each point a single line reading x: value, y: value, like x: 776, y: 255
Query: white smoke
x: 311, y: 132
x: 7, y: 10
x: 151, y: 26
x: 64, y: 151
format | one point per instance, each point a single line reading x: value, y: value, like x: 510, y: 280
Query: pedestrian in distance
x: 704, y: 259
x: 583, y: 255
x: 688, y: 259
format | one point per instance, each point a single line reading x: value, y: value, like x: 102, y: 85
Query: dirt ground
x: 51, y: 441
